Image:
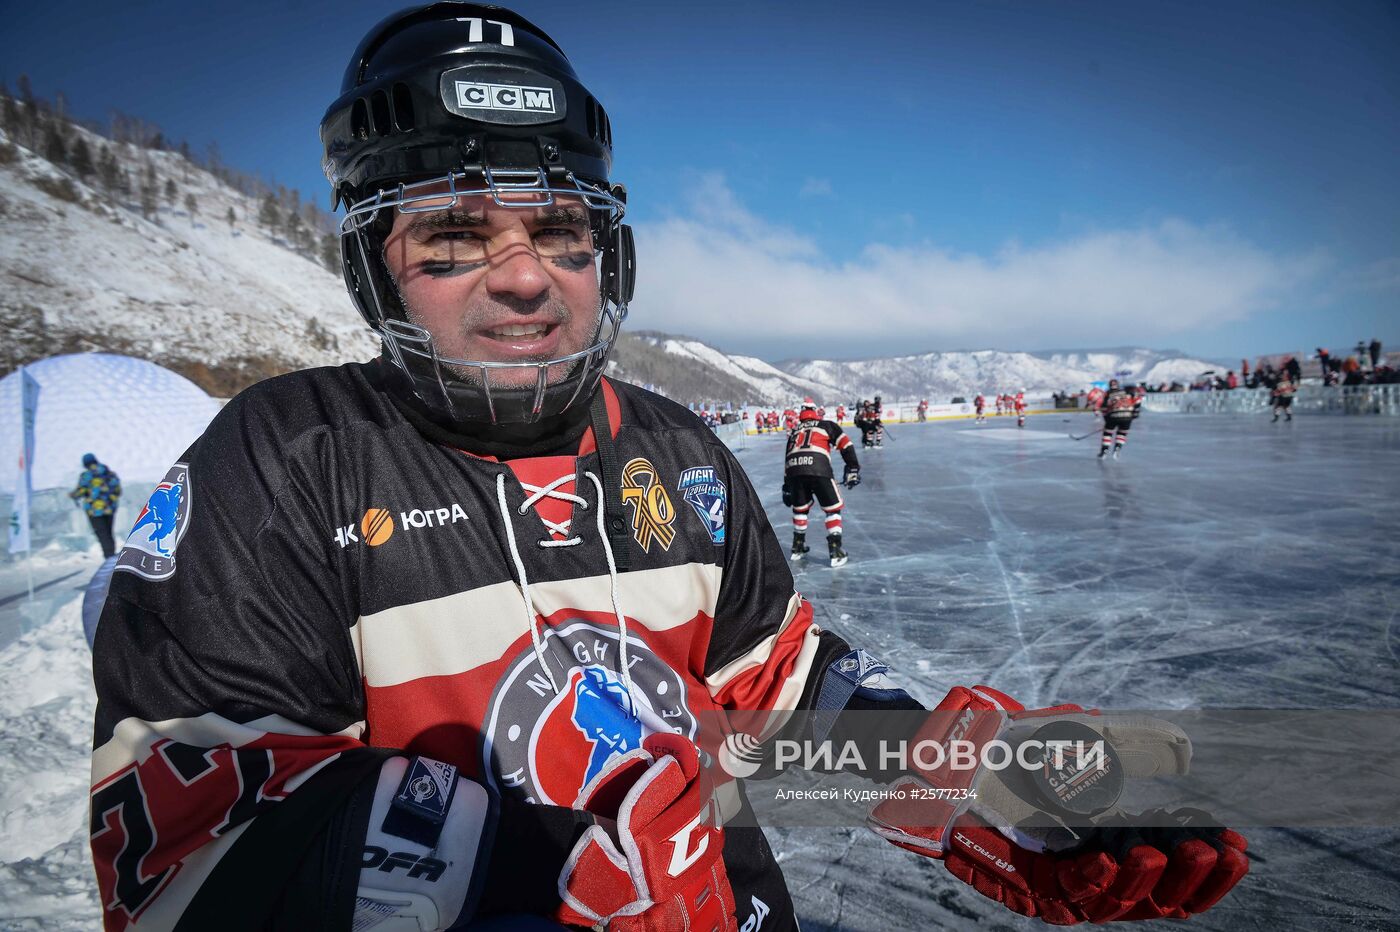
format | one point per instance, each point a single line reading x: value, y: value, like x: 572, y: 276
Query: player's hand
x: 661, y: 867
x: 1048, y: 842
x: 789, y: 496
x: 852, y: 477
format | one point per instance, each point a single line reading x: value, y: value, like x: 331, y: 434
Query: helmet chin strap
x: 557, y: 434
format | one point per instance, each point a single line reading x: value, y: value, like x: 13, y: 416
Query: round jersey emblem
x: 545, y: 745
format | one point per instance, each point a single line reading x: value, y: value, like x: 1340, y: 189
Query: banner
x: 19, y: 512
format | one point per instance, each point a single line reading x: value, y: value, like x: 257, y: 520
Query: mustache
x: 507, y: 309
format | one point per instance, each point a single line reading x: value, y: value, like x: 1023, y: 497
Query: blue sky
x: 885, y: 178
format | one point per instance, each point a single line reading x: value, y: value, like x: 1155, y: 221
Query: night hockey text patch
x: 702, y: 487
x: 149, y: 551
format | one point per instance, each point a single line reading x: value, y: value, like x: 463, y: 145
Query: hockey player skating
x: 1282, y: 397
x: 1120, y: 407
x: 862, y: 422
x: 840, y: 414
x: 807, y: 477
x: 923, y: 409
x: 869, y: 423
x: 980, y: 404
x: 388, y: 584
x: 1019, y: 403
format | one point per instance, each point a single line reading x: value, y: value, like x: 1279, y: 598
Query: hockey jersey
x: 810, y: 446
x: 1120, y: 404
x: 320, y: 586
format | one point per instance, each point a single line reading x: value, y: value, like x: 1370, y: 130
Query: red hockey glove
x: 1004, y: 832
x: 663, y: 870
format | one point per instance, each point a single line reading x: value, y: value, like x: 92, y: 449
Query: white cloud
x: 719, y: 270
x: 815, y: 187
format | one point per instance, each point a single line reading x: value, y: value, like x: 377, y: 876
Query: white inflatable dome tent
x: 133, y: 415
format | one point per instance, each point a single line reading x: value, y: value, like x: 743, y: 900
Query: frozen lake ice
x: 1224, y: 562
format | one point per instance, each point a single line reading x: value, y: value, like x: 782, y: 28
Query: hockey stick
x: 1096, y: 430
x: 886, y: 431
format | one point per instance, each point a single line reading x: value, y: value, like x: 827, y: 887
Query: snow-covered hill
x: 215, y: 296
x: 224, y: 303
x: 934, y: 375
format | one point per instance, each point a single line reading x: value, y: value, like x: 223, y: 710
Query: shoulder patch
x: 149, y: 551
x: 652, y: 511
x: 703, y: 488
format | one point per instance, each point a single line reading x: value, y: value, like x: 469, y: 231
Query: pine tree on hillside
x: 267, y: 214
x: 10, y: 114
x: 170, y: 191
x: 80, y: 160
x: 231, y: 217
x: 54, y: 149
x: 148, y: 201
x: 330, y: 252
x: 29, y: 112
x: 108, y: 172
x: 295, y: 231
x: 191, y: 206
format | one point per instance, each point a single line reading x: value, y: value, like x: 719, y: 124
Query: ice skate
x: 1115, y: 455
x: 799, y: 545
x: 837, y: 554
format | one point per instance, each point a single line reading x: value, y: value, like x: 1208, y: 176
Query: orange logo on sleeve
x: 376, y: 526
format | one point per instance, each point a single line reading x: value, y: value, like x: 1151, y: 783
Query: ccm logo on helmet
x: 472, y: 95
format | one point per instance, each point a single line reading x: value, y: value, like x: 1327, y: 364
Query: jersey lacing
x: 537, y: 493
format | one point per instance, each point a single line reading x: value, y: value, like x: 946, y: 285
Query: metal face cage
x: 410, y: 347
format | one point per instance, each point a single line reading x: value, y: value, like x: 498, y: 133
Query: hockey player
x: 980, y: 404
x: 923, y: 410
x: 371, y: 593
x: 1120, y: 407
x: 789, y: 419
x: 1019, y: 403
x: 1000, y: 398
x: 840, y: 414
x: 807, y: 476
x: 868, y: 422
x: 1282, y: 396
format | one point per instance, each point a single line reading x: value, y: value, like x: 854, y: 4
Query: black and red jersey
x: 1120, y: 403
x: 811, y: 445
x: 321, y: 586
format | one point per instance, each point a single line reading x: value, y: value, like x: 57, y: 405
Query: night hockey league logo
x: 545, y: 746
x: 702, y: 487
x: 652, y: 512
x: 149, y: 551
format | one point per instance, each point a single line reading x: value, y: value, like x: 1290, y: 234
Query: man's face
x: 499, y: 284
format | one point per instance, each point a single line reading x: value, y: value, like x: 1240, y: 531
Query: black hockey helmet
x: 1112, y: 383
x: 454, y: 100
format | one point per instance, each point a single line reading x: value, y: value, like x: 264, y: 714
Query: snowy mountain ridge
x: 197, y: 282
x: 939, y: 374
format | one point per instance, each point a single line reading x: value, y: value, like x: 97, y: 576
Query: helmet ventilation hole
x: 403, y: 108
x: 379, y: 108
